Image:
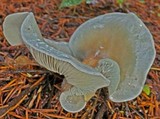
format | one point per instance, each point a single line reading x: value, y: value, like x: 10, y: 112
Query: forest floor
x: 28, y: 91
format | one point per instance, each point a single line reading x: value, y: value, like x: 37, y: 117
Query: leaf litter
x: 28, y: 91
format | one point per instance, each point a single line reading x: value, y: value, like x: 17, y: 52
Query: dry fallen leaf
x: 23, y: 61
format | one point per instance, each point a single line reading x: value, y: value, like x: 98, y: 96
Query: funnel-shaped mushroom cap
x: 76, y: 73
x: 122, y: 38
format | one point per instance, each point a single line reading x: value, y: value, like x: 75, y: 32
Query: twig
x: 25, y: 71
x: 95, y: 104
x: 155, y: 68
x: 137, y: 113
x: 127, y: 111
x: 101, y: 112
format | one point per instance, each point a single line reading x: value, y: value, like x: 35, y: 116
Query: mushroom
x: 118, y: 47
x: 82, y: 80
x: 123, y: 38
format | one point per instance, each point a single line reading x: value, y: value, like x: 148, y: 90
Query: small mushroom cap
x: 123, y: 38
x: 74, y: 99
x: 71, y: 102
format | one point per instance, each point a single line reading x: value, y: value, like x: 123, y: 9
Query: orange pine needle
x: 37, y: 82
x: 15, y: 115
x: 8, y: 85
x: 55, y: 116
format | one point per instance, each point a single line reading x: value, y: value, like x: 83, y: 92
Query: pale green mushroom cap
x: 72, y: 103
x: 123, y: 38
x: 53, y: 56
